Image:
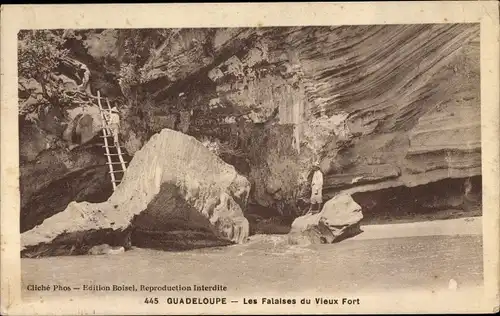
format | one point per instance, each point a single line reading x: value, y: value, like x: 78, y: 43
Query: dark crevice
x: 445, y: 199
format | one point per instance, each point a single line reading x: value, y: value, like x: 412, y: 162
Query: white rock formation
x: 208, y: 186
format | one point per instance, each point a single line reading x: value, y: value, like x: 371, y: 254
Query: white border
x: 251, y: 15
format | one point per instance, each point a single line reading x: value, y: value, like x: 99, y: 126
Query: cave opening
x: 77, y: 175
x: 440, y: 200
x: 170, y: 223
x: 444, y: 199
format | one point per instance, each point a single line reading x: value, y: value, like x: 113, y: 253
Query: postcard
x: 250, y: 158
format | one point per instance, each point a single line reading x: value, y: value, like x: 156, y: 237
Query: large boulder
x: 339, y: 219
x: 173, y: 183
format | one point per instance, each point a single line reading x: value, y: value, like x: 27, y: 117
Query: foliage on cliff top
x: 39, y: 54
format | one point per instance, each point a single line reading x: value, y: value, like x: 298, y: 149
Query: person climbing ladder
x: 111, y: 126
x: 114, y: 124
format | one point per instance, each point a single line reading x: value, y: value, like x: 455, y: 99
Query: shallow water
x: 268, y: 262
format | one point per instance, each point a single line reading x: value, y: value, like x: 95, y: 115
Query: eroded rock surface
x: 211, y: 198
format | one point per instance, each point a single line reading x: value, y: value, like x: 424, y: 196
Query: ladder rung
x: 112, y: 154
x: 116, y: 171
x: 113, y: 163
x: 121, y: 146
x: 112, y: 146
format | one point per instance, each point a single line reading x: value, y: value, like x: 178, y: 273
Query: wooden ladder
x: 110, y: 154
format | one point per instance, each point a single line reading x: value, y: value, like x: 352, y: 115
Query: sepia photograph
x: 201, y: 165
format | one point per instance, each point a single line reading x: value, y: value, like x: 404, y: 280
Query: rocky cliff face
x: 394, y: 105
x: 381, y: 107
x: 61, y: 154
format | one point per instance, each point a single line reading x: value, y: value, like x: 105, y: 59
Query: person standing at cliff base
x: 316, y: 190
x: 114, y: 124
